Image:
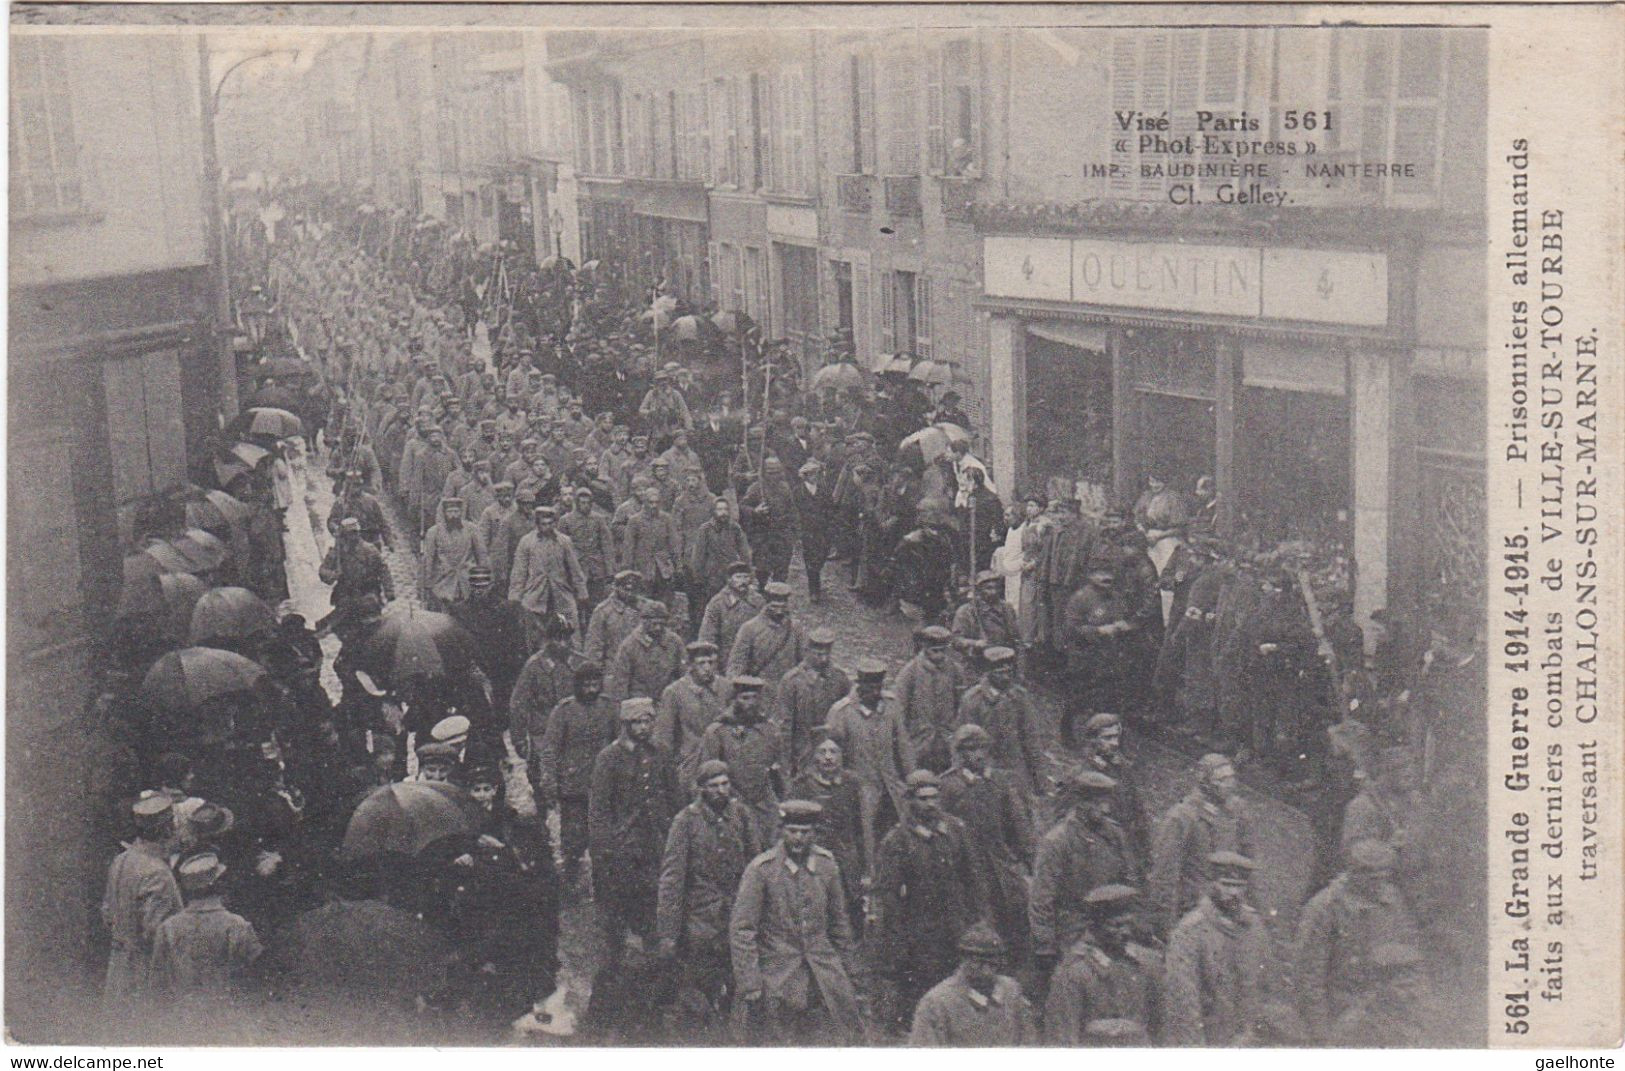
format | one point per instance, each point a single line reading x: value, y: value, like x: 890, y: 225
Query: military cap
x: 451, y: 730
x: 660, y: 463
x: 738, y: 567
x: 872, y: 669
x: 451, y: 500
x: 583, y: 492
x: 800, y: 812
x: 628, y: 576
x: 501, y: 486
x: 933, y: 635
x: 708, y: 769
x: 200, y: 872
x: 150, y: 811
x: 640, y: 707
x: 746, y: 683
x: 811, y: 465
x: 588, y: 671
x: 970, y: 734
x: 1395, y: 955
x: 550, y: 513
x: 661, y: 375
x: 1103, y: 901
x: 1100, y: 722
x: 988, y: 576
x: 921, y: 779
x: 1371, y: 856
x: 1123, y: 1033
x: 479, y: 574
x: 487, y: 422
x: 526, y: 494
x: 349, y: 524
x: 998, y: 656
x: 654, y: 610
x: 484, y: 771
x: 436, y: 751
x: 1090, y: 782
x: 701, y: 649
x: 1230, y: 864
x: 821, y: 637
x: 981, y: 939
x: 209, y: 820
x: 529, y: 440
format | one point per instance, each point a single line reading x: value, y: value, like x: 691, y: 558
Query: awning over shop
x: 1083, y: 336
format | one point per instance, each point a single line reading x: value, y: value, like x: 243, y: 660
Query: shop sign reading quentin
x: 1317, y: 286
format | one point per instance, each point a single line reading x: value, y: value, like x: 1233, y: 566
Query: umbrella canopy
x: 166, y: 557
x: 215, y: 510
x: 894, y: 364
x: 266, y: 421
x: 276, y: 397
x: 418, y: 643
x: 591, y: 266
x: 690, y: 328
x: 185, y: 680
x: 732, y: 323
x: 842, y: 375
x: 935, y: 440
x: 554, y: 262
x: 282, y: 368
x: 226, y: 615
x: 933, y: 372
x: 169, y: 597
x: 238, y: 459
x: 202, y: 550
x: 407, y: 817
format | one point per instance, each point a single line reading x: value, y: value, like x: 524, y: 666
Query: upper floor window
x: 47, y: 174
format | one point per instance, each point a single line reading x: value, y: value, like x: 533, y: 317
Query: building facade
x: 115, y: 389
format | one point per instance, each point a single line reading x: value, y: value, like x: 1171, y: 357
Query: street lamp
x: 210, y: 88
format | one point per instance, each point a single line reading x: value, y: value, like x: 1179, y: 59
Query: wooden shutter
x: 888, y: 310
x: 767, y: 135
x: 1125, y: 96
x: 936, y: 145
x: 713, y: 253
x: 922, y: 314
x: 720, y: 165
x: 863, y: 328
x: 1155, y: 60
x: 800, y: 173
x: 865, y: 140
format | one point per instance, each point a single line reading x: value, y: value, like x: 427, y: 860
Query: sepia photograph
x: 904, y: 526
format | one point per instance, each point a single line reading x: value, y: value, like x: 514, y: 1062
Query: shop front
x: 670, y: 235
x: 1275, y: 372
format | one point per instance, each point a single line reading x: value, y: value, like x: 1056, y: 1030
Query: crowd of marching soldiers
x: 779, y: 852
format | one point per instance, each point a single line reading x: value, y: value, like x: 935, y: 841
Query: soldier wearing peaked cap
x: 805, y: 695
x: 792, y: 941
x: 1105, y: 975
x: 1340, y: 931
x: 976, y: 1006
x: 928, y: 688
x: 1083, y: 851
x: 986, y: 616
x: 929, y: 886
x: 141, y: 894
x: 1216, y: 963
x: 754, y: 750
x: 1005, y: 709
x: 689, y: 705
x: 770, y: 644
x: 614, y: 618
x: 878, y: 755
x: 1210, y: 818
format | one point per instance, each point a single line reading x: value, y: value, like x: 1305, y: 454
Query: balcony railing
x: 854, y: 193
x: 958, y: 195
x: 903, y: 195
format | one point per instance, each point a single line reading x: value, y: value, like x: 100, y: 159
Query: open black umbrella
x: 215, y: 510
x: 406, y: 817
x: 186, y: 680
x: 266, y: 422
x: 227, y: 615
x: 418, y: 643
x: 169, y: 598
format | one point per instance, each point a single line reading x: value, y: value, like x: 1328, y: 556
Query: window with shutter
x: 767, y: 134
x: 1125, y: 96
x: 721, y: 163
x: 752, y: 133
x: 922, y: 315
x: 900, y: 113
x: 702, y: 135
x: 46, y: 169
x: 800, y: 177
x: 1154, y: 92
x: 713, y: 253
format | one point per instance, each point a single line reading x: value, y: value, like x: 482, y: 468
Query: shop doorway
x: 1069, y: 413
x: 1177, y: 440
x: 1292, y: 465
